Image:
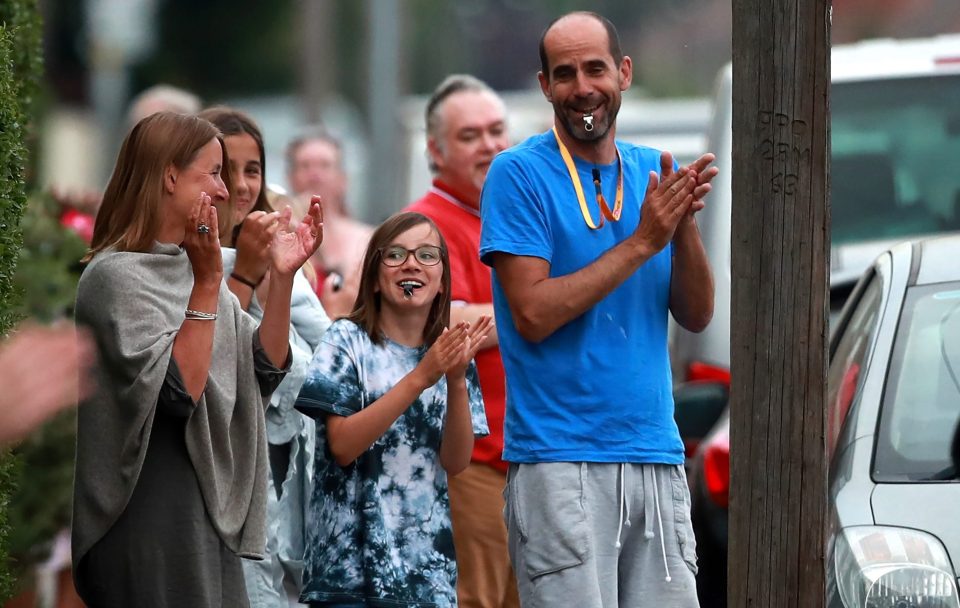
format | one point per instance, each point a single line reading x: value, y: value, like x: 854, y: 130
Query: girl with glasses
x: 397, y: 403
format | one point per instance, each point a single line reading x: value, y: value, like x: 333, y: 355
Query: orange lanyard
x: 605, y: 211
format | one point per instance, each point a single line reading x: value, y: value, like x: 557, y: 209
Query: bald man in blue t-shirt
x: 583, y: 285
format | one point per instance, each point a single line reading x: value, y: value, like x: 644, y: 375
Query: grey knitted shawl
x: 134, y: 303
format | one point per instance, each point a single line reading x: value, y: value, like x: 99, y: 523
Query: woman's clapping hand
x: 201, y: 240
x: 290, y: 249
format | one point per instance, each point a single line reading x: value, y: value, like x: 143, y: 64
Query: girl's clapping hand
x: 469, y: 347
x: 443, y: 355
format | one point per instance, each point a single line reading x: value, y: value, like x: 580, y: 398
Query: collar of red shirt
x: 447, y: 193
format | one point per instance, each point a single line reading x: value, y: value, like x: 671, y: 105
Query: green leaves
x: 21, y: 66
x: 12, y: 183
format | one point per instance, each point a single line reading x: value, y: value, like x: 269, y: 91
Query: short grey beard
x: 600, y: 129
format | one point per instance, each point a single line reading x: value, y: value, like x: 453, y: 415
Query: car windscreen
x: 891, y: 144
x: 921, y: 400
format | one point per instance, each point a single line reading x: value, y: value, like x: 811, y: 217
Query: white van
x: 895, y: 111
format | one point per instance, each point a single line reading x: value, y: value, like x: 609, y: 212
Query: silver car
x: 893, y: 406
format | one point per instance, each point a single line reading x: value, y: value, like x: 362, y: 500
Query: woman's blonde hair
x: 131, y: 213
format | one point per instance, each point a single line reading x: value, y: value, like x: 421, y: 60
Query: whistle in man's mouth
x: 588, y: 122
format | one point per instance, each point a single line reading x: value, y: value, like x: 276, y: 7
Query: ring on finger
x: 203, y: 228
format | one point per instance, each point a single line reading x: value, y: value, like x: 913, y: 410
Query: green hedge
x: 12, y: 199
x: 46, y: 280
x: 21, y: 67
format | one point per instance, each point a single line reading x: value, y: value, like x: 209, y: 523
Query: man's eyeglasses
x: 427, y: 255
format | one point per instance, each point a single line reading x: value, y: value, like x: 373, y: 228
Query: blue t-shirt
x: 378, y: 530
x: 599, y: 388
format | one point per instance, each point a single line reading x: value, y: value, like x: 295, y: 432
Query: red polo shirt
x: 470, y: 282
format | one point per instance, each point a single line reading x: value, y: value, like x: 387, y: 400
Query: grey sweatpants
x: 597, y: 535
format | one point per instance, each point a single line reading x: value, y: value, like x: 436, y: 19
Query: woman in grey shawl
x: 170, y: 485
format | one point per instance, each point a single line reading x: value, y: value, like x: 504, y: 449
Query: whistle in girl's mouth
x: 407, y: 292
x: 588, y: 122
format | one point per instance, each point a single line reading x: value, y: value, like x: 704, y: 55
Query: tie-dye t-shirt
x: 379, y: 529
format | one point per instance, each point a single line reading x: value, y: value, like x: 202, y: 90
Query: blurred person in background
x: 171, y: 470
x: 315, y: 166
x: 162, y: 97
x: 275, y: 581
x: 43, y: 370
x: 466, y: 127
x: 78, y: 210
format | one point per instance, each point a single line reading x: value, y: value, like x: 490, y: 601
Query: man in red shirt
x: 466, y: 128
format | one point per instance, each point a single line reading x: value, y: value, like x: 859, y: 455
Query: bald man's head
x: 613, y: 38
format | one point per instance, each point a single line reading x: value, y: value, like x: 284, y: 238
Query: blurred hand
x: 42, y: 371
x: 339, y: 294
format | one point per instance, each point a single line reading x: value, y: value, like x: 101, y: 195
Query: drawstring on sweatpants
x: 651, y: 506
x: 663, y: 545
x: 650, y: 495
x: 621, y: 521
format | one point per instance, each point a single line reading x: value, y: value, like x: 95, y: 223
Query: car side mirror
x: 697, y: 407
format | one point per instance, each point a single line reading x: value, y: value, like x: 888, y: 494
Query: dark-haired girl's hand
x: 201, y: 241
x: 253, y: 245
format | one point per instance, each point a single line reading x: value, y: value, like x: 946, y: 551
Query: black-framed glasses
x: 395, y: 255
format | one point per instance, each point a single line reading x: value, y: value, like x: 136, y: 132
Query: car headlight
x: 881, y: 567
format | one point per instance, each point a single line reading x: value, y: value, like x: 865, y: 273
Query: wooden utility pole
x: 780, y: 244
x: 318, y: 56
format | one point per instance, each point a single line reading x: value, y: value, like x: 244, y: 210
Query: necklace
x: 605, y: 211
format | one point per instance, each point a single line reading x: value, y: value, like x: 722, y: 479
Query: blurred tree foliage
x: 46, y: 280
x: 253, y: 48
x: 20, y: 73
x: 38, y: 277
x: 220, y: 48
x: 49, y: 266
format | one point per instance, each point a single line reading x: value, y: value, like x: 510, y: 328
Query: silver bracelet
x: 198, y: 315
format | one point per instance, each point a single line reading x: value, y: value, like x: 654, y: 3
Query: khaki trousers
x: 484, y: 576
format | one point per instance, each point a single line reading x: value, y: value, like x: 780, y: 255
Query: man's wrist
x: 641, y: 248
x: 686, y: 228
